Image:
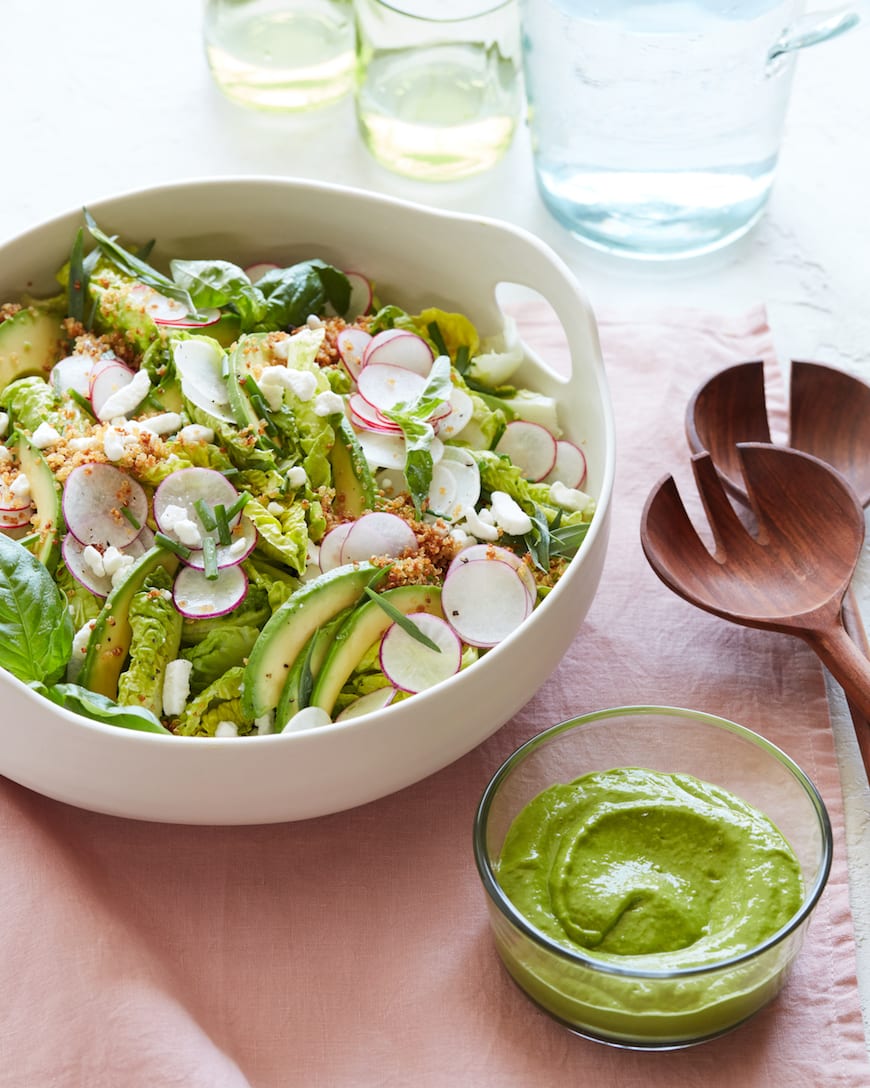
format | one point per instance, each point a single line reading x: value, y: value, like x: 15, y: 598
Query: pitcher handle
x: 820, y: 26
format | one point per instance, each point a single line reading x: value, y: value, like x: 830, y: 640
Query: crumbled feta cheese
x: 266, y: 723
x: 94, y: 561
x: 486, y: 517
x: 114, y: 443
x: 176, y: 686
x: 5, y: 455
x: 509, y: 515
x: 275, y: 508
x: 569, y: 498
x: 301, y: 383
x: 112, y: 558
x: 122, y: 570
x: 226, y: 729
x: 4, y: 423
x: 19, y: 489
x: 45, y: 436
x: 164, y: 423
x: 313, y: 322
x: 476, y: 526
x: 460, y: 537
x: 195, y: 432
x: 79, y: 648
x: 188, y: 532
x: 327, y: 404
x: 238, y: 548
x: 80, y: 444
x: 171, y: 515
x: 127, y: 398
x: 297, y: 476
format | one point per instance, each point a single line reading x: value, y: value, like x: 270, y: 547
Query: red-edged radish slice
x: 73, y: 552
x: 350, y: 344
x: 570, y: 466
x: 455, y: 486
x: 106, y: 381
x: 376, y: 534
x: 158, y: 307
x: 16, y: 517
x: 368, y: 704
x: 409, y: 664
x: 382, y: 450
x: 227, y: 555
x: 256, y: 271
x: 493, y: 552
x: 199, y: 365
x: 530, y: 447
x: 484, y: 601
x: 369, y: 416
x: 198, y: 597
x: 361, y: 294
x: 94, y: 498
x: 459, y: 414
x: 73, y: 372
x: 401, y: 348
x: 203, y: 318
x: 331, y: 545
x: 185, y: 488
x: 386, y: 386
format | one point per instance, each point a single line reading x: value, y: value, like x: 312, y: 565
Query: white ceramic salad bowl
x: 417, y: 257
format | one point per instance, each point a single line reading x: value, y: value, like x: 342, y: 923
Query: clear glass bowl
x: 626, y: 1006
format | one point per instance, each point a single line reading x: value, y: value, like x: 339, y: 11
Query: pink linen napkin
x: 354, y: 950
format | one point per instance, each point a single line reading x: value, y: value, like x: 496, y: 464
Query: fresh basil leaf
x: 36, y: 631
x: 90, y: 704
x: 221, y: 283
x: 293, y: 293
x: 135, y: 267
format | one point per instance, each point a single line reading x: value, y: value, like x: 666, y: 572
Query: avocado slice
x: 291, y: 626
x: 312, y: 655
x: 110, y: 639
x: 366, y: 625
x: 31, y: 342
x: 351, y: 475
x: 46, y: 494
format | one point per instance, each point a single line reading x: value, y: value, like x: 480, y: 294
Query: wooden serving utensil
x: 791, y: 575
x: 829, y: 417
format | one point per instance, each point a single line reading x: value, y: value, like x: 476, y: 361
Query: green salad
x: 237, y: 501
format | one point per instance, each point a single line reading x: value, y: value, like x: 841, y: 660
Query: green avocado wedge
x: 306, y: 666
x: 30, y: 343
x: 351, y: 475
x: 292, y: 625
x: 361, y: 629
x: 109, y: 644
x: 46, y: 494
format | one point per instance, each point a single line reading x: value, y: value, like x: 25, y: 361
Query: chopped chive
x: 259, y: 403
x: 205, y: 515
x: 239, y: 505
x: 131, y: 517
x: 209, y: 557
x: 462, y: 358
x: 402, y: 620
x: 231, y: 471
x: 223, y: 524
x: 437, y: 339
x: 77, y: 285
x: 82, y: 401
x: 163, y: 541
x: 154, y: 402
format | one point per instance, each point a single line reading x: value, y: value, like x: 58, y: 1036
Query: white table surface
x: 99, y: 97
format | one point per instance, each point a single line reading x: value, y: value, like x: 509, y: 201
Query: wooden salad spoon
x: 829, y: 416
x: 791, y: 574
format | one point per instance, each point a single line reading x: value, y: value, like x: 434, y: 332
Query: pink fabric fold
x: 354, y: 950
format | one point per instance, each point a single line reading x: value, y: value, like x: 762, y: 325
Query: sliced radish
x: 382, y: 450
x: 73, y: 552
x: 386, y: 386
x: 530, y: 446
x: 199, y: 366
x: 570, y: 466
x: 16, y: 517
x: 455, y: 486
x: 409, y: 664
x: 94, y: 497
x: 227, y: 555
x: 185, y: 488
x: 494, y: 552
x: 401, y: 348
x: 350, y: 344
x: 368, y: 704
x: 459, y: 414
x: 378, y: 534
x: 73, y: 372
x: 158, y: 307
x: 369, y: 417
x: 198, y: 597
x: 256, y: 271
x: 106, y: 381
x: 484, y: 601
x: 331, y: 545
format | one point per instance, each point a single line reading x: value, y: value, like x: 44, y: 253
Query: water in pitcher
x: 656, y: 125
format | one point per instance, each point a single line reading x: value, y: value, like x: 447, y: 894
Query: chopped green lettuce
x: 156, y: 627
x: 222, y: 649
x: 220, y: 702
x: 281, y: 536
